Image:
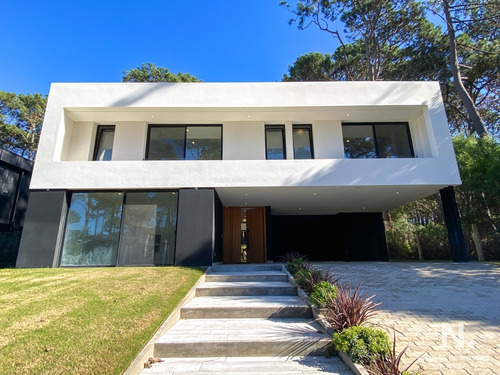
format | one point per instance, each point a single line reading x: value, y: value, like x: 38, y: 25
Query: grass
x: 86, y: 320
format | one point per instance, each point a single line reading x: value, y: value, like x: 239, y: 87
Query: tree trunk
x: 474, y: 115
x: 419, y: 247
x: 477, y: 242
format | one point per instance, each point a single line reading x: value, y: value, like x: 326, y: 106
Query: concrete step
x: 219, y: 307
x: 247, y: 276
x: 243, y: 338
x: 247, y: 267
x: 249, y: 365
x: 246, y: 288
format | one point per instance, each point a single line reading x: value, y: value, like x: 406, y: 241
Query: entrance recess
x: 244, y: 235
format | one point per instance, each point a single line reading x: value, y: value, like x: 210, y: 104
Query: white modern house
x: 195, y: 173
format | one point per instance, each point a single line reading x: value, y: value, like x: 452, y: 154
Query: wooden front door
x: 244, y: 235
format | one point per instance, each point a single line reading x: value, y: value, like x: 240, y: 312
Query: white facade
x: 327, y: 184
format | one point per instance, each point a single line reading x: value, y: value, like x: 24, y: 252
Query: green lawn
x: 85, y: 320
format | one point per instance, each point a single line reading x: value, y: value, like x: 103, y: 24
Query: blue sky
x: 46, y: 41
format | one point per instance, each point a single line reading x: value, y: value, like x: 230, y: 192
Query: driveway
x: 449, y: 313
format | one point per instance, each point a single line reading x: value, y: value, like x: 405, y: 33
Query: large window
x: 180, y: 142
x: 377, y: 140
x: 302, y: 142
x: 135, y: 228
x: 103, y: 149
x: 275, y: 142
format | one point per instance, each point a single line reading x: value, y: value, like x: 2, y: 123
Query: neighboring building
x: 195, y: 173
x: 15, y: 174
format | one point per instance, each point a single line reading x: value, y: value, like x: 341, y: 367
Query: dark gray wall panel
x: 42, y: 229
x: 195, y: 242
x: 356, y: 236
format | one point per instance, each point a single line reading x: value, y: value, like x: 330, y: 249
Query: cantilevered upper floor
x: 334, y: 146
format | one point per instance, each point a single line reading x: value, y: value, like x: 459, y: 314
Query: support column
x: 453, y: 224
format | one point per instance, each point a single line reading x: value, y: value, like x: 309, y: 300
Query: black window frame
x: 309, y: 128
x: 185, y: 126
x: 283, y: 135
x: 101, y: 129
x: 65, y: 219
x: 375, y: 139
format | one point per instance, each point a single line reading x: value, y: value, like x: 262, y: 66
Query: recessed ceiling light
x: 300, y: 208
x: 364, y: 208
x: 397, y: 192
x: 347, y: 115
x: 246, y: 194
x: 315, y: 193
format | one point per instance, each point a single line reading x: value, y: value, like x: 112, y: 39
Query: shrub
x: 390, y: 365
x: 321, y: 292
x: 290, y: 256
x: 295, y: 265
x: 350, y: 308
x: 362, y: 344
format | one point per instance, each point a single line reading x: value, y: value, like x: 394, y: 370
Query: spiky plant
x: 350, y: 308
x: 392, y: 363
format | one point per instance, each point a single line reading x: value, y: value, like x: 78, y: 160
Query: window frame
x: 283, y: 136
x: 100, y: 130
x: 309, y: 128
x: 69, y: 196
x: 185, y: 126
x: 375, y: 138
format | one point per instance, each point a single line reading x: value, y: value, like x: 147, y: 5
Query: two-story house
x: 195, y: 173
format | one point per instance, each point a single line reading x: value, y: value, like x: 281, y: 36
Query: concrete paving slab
x: 254, y: 365
x: 247, y: 276
x: 449, y: 313
x: 246, y: 307
x: 245, y: 288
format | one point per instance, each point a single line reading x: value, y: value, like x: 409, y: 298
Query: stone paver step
x: 247, y: 276
x: 218, y: 307
x: 245, y: 365
x: 243, y: 338
x: 246, y: 288
x: 247, y: 267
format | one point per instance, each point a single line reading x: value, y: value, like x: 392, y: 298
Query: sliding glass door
x: 115, y: 228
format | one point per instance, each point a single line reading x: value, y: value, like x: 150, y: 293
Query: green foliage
x: 152, y: 73
x: 295, y: 265
x: 311, y: 67
x: 321, y: 292
x: 362, y: 344
x: 21, y: 118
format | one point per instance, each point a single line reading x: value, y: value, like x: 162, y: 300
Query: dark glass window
x: 104, y: 143
x: 275, y: 142
x: 302, y: 142
x: 377, y: 140
x: 148, y: 229
x: 180, y: 142
x: 104, y: 229
x: 92, y: 229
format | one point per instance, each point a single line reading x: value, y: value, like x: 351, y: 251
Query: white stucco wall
x: 243, y: 109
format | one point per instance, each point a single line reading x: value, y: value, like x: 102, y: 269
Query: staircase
x: 245, y: 319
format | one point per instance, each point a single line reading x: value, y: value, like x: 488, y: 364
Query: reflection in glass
x: 302, y: 148
x: 359, y: 142
x: 92, y: 229
x: 104, y: 146
x: 148, y: 231
x: 166, y: 143
x: 275, y: 148
x: 393, y: 141
x: 203, y: 143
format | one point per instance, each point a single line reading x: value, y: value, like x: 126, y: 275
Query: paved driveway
x: 447, y: 312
